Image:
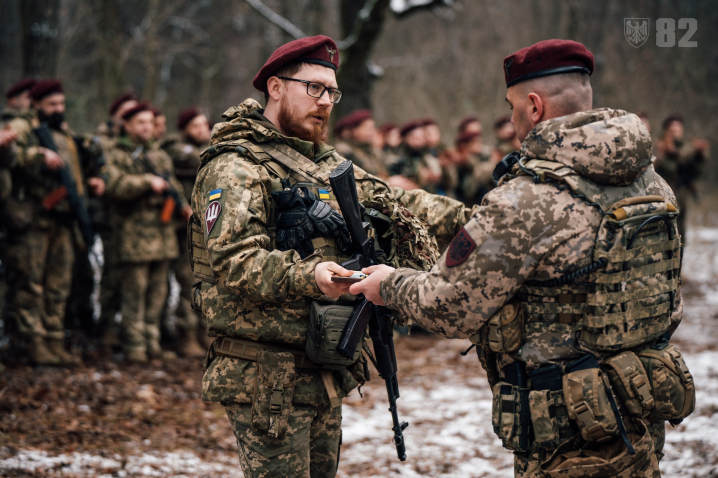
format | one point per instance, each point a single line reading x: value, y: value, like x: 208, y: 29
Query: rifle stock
x: 377, y: 318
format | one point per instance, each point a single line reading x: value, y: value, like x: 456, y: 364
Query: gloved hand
x: 294, y: 229
x: 329, y: 223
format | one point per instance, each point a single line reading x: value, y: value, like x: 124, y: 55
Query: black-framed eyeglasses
x: 316, y: 90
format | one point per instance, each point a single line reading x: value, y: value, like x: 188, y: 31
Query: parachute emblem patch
x: 459, y: 249
x: 212, y: 214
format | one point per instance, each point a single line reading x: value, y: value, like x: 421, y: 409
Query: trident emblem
x: 331, y: 52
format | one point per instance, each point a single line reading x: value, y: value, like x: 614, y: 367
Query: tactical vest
x: 625, y: 296
x: 276, y: 159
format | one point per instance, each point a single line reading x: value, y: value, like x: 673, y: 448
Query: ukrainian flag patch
x: 323, y: 194
x: 216, y: 194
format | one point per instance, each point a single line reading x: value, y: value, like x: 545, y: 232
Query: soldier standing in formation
x: 570, y: 298
x: 506, y: 140
x: 44, y: 231
x: 467, y: 170
x: 359, y: 130
x: 185, y: 149
x: 264, y: 229
x: 679, y: 162
x: 415, y: 165
x: 139, y: 186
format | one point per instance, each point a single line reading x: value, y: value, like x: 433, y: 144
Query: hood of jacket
x: 607, y: 146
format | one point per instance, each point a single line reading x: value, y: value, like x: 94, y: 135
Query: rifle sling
x: 300, y: 164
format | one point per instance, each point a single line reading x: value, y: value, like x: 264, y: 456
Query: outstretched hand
x: 371, y: 286
x: 323, y: 276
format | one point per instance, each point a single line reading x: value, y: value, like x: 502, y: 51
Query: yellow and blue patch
x: 216, y: 194
x: 323, y: 194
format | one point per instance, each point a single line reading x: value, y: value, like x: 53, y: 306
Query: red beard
x: 291, y: 124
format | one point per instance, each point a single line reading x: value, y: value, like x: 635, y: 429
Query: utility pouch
x: 611, y: 459
x: 549, y: 418
x: 505, y: 329
x: 273, y: 393
x: 671, y: 383
x: 630, y: 382
x: 510, y: 416
x: 326, y: 324
x: 588, y: 403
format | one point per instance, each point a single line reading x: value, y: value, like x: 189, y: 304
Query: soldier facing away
x: 265, y: 235
x: 567, y: 280
x: 140, y: 186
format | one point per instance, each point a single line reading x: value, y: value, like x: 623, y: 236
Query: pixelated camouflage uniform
x: 145, y: 244
x: 527, y: 231
x: 185, y: 159
x: 43, y: 242
x: 264, y: 295
x: 365, y: 156
x: 470, y: 181
x: 410, y: 162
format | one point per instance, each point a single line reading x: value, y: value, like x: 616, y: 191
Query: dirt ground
x: 110, y: 419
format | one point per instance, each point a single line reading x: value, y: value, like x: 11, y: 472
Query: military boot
x: 58, y: 349
x: 188, y: 345
x: 40, y: 353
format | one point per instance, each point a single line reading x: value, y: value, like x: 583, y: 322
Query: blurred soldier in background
x: 432, y: 132
x: 646, y: 121
x: 359, y: 144
x: 506, y: 141
x: 111, y: 281
x: 141, y: 186
x: 415, y: 168
x: 467, y: 170
x: 184, y: 149
x: 43, y: 223
x: 680, y: 162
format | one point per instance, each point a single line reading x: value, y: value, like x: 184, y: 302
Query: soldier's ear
x: 536, y: 108
x: 274, y: 87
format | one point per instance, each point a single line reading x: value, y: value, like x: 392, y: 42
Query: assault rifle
x: 377, y: 318
x: 172, y: 200
x: 67, y: 190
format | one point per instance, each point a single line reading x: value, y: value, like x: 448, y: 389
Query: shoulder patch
x: 211, y: 215
x: 460, y: 248
x: 216, y: 194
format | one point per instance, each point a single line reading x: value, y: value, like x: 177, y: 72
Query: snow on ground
x: 447, y: 402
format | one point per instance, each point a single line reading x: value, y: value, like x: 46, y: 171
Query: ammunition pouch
x: 589, y: 405
x: 630, y: 382
x: 273, y: 394
x: 505, y: 329
x: 326, y: 324
x: 509, y: 416
x: 197, y: 253
x: 670, y: 381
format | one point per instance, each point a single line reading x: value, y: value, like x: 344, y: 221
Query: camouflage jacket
x: 32, y: 182
x: 134, y: 208
x: 364, y: 156
x: 526, y: 230
x: 261, y: 293
x: 185, y: 159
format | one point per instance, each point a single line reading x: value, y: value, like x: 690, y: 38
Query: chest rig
x: 625, y: 296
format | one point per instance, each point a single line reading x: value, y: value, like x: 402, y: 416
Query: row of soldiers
x: 126, y: 183
x: 413, y: 155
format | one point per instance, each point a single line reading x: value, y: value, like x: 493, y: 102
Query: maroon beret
x: 117, y: 102
x: 466, y: 137
x: 45, y: 88
x: 354, y: 119
x: 157, y: 111
x: 319, y: 50
x: 407, y: 128
x: 466, y: 120
x: 501, y: 120
x: 427, y: 121
x: 139, y: 108
x: 186, y: 116
x: 385, y: 128
x: 548, y: 57
x: 20, y: 87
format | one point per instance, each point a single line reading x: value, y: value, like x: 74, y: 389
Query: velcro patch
x: 211, y: 215
x: 460, y: 248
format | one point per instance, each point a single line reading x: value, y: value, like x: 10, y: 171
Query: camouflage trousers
x: 187, y: 319
x: 144, y: 291
x: 111, y: 281
x: 42, y: 259
x: 309, y: 449
x: 574, y: 462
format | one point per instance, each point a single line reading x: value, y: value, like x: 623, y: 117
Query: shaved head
x: 547, y: 97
